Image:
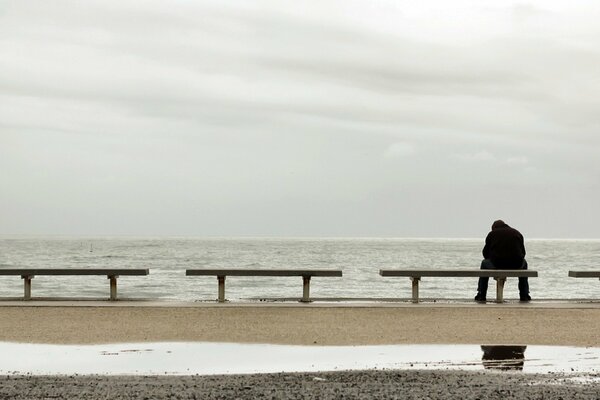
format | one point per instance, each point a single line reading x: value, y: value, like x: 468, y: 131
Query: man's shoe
x: 480, y: 298
x: 525, y: 298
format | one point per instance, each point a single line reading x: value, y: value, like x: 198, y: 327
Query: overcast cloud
x: 325, y: 118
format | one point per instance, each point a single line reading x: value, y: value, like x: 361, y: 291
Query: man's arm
x: 486, y: 248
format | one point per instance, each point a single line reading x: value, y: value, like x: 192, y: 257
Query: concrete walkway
x: 371, y: 303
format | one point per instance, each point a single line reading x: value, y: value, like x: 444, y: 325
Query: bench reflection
x: 503, y: 357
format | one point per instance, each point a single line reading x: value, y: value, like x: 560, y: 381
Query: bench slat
x: 262, y: 272
x: 584, y: 274
x: 73, y: 271
x: 492, y: 273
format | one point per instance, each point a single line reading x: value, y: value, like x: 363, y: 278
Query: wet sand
x: 303, y: 325
x: 330, y: 385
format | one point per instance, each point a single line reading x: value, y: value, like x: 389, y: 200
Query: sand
x: 86, y: 323
x: 330, y: 385
x: 305, y: 325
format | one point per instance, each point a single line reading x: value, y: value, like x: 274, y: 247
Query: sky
x: 286, y: 118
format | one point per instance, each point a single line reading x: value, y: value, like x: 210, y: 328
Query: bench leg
x: 415, y: 288
x: 500, y: 289
x: 27, y: 286
x: 221, y: 280
x: 113, y: 287
x: 305, y: 289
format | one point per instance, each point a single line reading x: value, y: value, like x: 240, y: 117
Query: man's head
x: 498, y: 224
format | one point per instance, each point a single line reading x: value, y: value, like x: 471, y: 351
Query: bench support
x: 221, y: 279
x: 305, y: 289
x: 500, y: 289
x: 27, y: 286
x: 415, y: 288
x: 113, y: 286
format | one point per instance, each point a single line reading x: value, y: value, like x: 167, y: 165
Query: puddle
x: 231, y: 358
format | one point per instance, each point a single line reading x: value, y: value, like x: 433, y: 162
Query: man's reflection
x: 503, y: 357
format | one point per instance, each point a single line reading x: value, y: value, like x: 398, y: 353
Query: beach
x: 92, y: 322
x: 571, y: 324
x: 324, y: 385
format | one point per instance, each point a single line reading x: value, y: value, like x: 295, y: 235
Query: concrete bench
x: 27, y: 274
x: 499, y: 275
x: 584, y: 274
x: 222, y: 273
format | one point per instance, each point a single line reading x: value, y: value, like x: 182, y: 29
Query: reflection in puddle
x: 503, y: 357
x: 236, y: 358
x: 116, y: 353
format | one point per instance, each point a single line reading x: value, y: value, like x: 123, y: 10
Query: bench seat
x: 306, y: 274
x: 27, y: 274
x: 584, y: 274
x: 499, y: 275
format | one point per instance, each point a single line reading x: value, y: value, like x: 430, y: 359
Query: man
x: 504, y: 249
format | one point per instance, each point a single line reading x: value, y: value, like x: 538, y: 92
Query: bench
x: 584, y: 274
x: 222, y: 273
x: 27, y: 274
x: 499, y: 275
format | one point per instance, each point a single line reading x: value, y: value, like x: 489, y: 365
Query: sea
x: 360, y: 259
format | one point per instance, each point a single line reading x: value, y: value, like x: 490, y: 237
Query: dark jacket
x: 505, y: 247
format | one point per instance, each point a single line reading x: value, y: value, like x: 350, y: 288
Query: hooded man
x: 504, y: 249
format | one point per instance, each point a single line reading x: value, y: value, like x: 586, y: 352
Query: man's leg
x: 524, y: 285
x: 482, y: 286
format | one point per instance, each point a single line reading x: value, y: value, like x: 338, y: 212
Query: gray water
x: 359, y: 258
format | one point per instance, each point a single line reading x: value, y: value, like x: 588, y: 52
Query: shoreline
x: 77, y: 322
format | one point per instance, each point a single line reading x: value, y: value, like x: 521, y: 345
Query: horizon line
x: 230, y: 237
